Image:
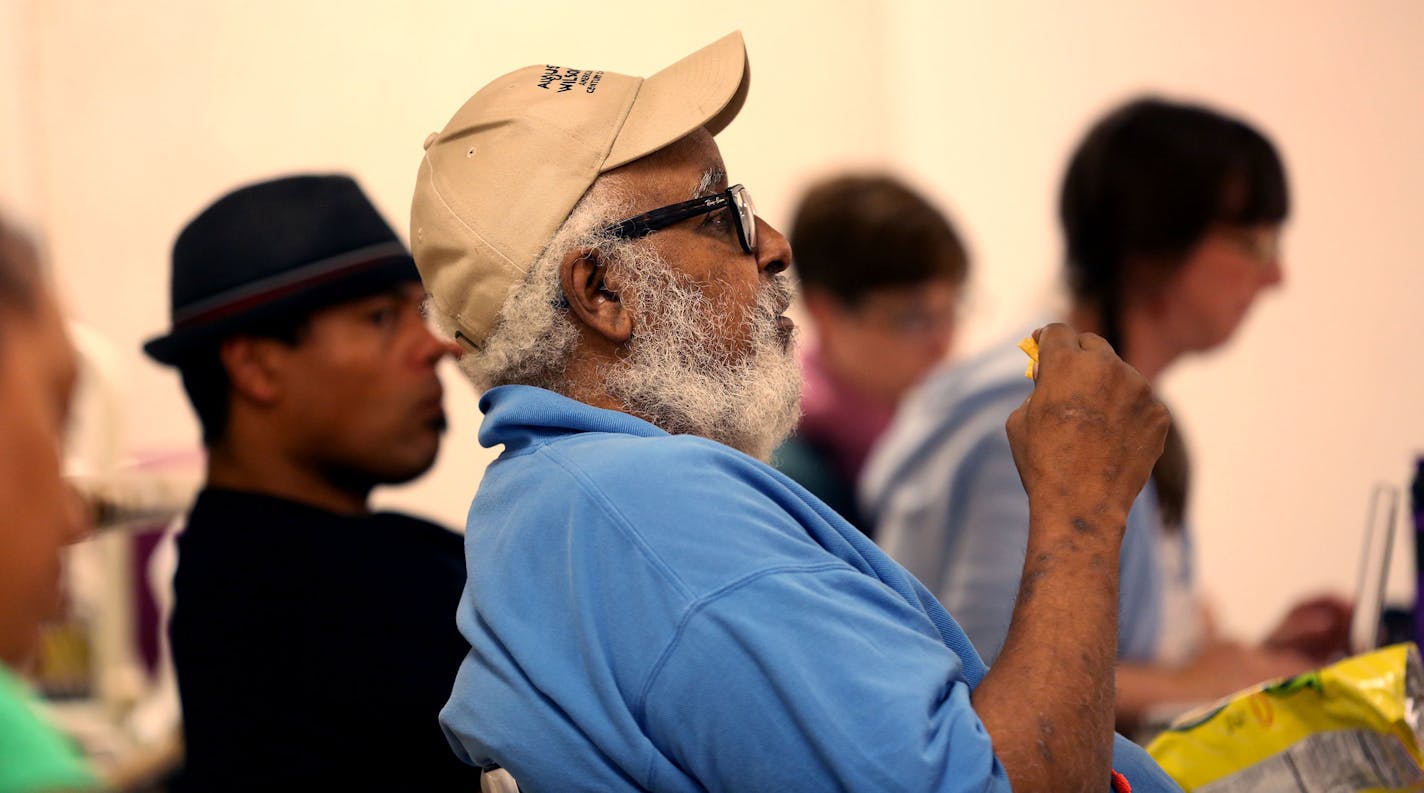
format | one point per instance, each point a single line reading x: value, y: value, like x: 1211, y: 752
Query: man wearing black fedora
x: 314, y: 640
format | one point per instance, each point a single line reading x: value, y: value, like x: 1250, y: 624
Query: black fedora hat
x: 273, y: 250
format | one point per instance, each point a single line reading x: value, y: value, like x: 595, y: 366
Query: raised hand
x: 1092, y: 430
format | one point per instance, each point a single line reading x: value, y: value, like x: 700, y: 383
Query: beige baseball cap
x: 498, y: 181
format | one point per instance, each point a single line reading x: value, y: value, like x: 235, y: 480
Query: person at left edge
x: 39, y: 514
x: 313, y: 639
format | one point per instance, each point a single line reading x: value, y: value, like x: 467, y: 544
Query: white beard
x: 681, y: 375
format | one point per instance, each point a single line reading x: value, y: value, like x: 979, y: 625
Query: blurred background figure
x: 881, y: 273
x: 1172, y: 217
x: 39, y: 514
x: 314, y: 640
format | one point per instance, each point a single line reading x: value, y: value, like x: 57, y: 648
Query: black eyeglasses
x: 734, y: 197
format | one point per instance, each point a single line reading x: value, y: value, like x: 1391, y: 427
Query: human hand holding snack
x: 1084, y: 443
x: 1092, y: 429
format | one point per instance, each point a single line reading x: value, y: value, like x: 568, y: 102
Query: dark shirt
x: 810, y: 465
x: 313, y: 650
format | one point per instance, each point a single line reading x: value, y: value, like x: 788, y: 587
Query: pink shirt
x: 837, y: 417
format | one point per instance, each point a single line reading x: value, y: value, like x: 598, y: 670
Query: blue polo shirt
x: 650, y: 612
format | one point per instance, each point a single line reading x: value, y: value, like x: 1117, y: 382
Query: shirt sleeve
x: 1141, y: 771
x: 816, y: 679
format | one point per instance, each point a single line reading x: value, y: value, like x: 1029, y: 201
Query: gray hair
x: 533, y: 338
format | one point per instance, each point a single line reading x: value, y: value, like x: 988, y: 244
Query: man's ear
x: 594, y: 297
x: 253, y: 367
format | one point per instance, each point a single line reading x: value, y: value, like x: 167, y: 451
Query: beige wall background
x: 118, y: 120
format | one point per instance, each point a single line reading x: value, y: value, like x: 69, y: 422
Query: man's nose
x: 433, y: 346
x: 773, y: 250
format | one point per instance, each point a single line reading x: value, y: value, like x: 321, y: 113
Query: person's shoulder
x: 654, y: 476
x: 227, y: 516
x: 33, y: 755
x: 703, y: 509
x: 612, y: 472
x: 420, y: 536
x: 659, y: 460
x: 415, y: 524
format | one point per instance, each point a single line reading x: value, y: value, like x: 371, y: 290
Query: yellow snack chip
x: 1030, y: 347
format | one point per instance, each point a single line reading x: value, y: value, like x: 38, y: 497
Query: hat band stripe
x: 250, y: 296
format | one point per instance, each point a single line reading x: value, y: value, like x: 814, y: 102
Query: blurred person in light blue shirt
x: 1172, y: 215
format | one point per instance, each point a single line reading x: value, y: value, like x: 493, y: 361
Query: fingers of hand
x: 1092, y: 341
x: 1090, y: 414
x: 1056, y: 335
x: 1058, y: 341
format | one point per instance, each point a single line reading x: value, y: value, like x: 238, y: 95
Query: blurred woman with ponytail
x: 1172, y: 216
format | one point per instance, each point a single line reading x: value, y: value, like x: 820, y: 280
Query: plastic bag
x: 1352, y: 726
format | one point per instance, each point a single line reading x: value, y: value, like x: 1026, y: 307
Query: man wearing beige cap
x: 650, y: 606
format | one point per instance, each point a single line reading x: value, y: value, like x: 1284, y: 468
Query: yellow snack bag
x: 1030, y: 347
x: 1352, y: 726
